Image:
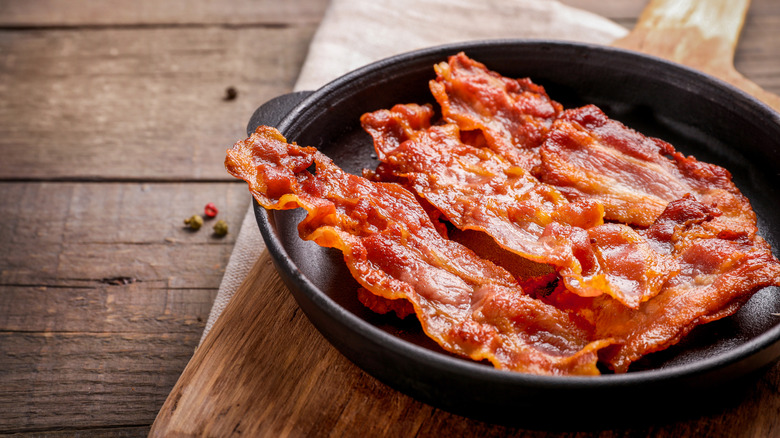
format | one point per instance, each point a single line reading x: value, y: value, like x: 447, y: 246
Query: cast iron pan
x: 700, y: 115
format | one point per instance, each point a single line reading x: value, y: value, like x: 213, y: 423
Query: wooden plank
x: 81, y: 234
x: 42, y: 13
x: 758, y: 50
x: 72, y: 330
x: 121, y: 104
x: 94, y: 432
x: 106, y: 308
x: 150, y: 12
x: 79, y: 380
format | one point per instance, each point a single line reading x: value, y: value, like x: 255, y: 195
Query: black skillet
x: 700, y: 115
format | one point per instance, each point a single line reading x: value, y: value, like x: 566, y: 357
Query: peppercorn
x: 211, y: 210
x: 194, y: 222
x: 220, y: 228
x: 230, y: 93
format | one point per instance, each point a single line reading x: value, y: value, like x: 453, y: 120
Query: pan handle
x: 275, y: 110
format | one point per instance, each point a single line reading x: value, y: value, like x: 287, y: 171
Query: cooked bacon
x: 683, y: 249
x: 474, y: 188
x: 468, y: 305
x: 514, y: 115
x: 710, y: 233
x: 587, y: 155
x: 477, y: 189
x: 583, y: 153
x: 717, y: 275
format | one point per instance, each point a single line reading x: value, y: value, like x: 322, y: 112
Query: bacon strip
x: 477, y: 189
x: 466, y: 304
x: 514, y: 115
x: 719, y: 272
x: 587, y: 155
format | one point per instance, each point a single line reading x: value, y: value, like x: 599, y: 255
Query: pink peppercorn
x: 210, y: 210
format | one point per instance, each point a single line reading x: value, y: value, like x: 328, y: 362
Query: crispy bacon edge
x: 472, y: 96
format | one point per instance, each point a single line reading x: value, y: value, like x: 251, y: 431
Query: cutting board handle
x: 702, y: 34
x: 678, y: 30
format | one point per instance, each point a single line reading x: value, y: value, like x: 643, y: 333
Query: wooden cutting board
x: 702, y: 34
x: 264, y: 370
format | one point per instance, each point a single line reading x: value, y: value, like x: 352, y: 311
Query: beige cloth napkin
x: 356, y: 32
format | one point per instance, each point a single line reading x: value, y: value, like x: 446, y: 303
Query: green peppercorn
x: 194, y: 222
x: 220, y: 228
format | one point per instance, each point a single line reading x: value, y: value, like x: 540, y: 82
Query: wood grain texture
x: 40, y: 13
x: 127, y: 101
x: 758, y: 50
x: 84, y: 233
x: 103, y: 298
x: 78, y: 380
x: 136, y: 104
x: 702, y: 35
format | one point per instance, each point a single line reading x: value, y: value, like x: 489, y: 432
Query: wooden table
x: 114, y: 118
